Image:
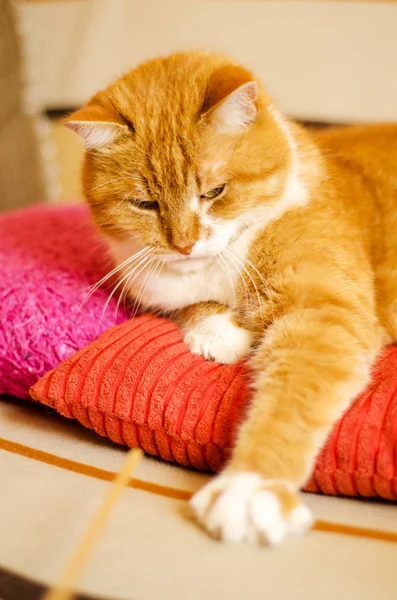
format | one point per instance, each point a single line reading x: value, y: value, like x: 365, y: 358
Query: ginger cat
x: 254, y: 234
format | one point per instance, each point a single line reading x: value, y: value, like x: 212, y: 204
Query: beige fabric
x: 150, y: 550
x: 21, y: 178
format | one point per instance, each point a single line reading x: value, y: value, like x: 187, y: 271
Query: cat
x: 256, y: 236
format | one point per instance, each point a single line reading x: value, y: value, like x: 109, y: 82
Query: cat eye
x: 144, y: 205
x: 213, y: 193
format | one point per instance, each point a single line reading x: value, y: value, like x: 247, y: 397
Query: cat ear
x: 96, y: 125
x: 237, y: 111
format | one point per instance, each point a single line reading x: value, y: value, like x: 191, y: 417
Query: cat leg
x: 213, y: 331
x: 311, y: 363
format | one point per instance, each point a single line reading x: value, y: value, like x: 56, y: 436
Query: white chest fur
x: 162, y: 288
x: 170, y: 290
x: 156, y: 287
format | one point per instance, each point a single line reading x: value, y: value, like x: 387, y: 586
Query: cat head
x: 182, y: 153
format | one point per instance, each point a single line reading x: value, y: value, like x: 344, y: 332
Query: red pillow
x: 139, y: 385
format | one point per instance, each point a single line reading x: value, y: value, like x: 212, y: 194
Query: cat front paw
x: 218, y: 338
x: 245, y: 507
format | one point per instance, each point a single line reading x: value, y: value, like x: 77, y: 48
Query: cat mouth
x: 186, y: 263
x: 183, y: 259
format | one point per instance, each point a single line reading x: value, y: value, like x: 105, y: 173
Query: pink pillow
x: 48, y: 257
x: 139, y: 385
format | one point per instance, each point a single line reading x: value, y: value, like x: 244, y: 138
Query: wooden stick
x: 64, y: 589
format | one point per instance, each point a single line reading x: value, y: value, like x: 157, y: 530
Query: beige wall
x: 332, y: 61
x: 321, y: 60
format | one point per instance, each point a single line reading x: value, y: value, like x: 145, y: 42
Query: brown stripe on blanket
x: 176, y: 494
x: 90, y: 471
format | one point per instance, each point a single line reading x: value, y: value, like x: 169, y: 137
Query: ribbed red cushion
x: 139, y: 385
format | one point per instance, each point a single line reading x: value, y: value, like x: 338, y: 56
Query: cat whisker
x: 132, y: 276
x: 156, y: 272
x: 135, y: 176
x: 126, y: 262
x: 115, y: 208
x: 232, y: 255
x: 92, y: 289
x: 263, y: 281
x: 109, y: 182
x: 142, y: 263
x: 124, y: 293
x: 224, y: 265
x: 248, y: 297
x: 161, y: 265
x: 142, y: 289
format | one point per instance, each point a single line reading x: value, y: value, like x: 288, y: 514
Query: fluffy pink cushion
x: 48, y: 258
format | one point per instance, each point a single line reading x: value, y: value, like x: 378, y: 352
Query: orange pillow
x: 139, y: 385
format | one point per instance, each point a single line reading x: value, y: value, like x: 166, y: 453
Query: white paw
x: 217, y: 338
x: 245, y: 507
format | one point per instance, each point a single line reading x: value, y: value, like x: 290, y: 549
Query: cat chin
x: 188, y: 265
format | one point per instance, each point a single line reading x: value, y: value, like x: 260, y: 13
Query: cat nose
x: 184, y: 247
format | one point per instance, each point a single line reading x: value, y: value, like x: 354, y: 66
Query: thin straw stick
x: 64, y: 589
